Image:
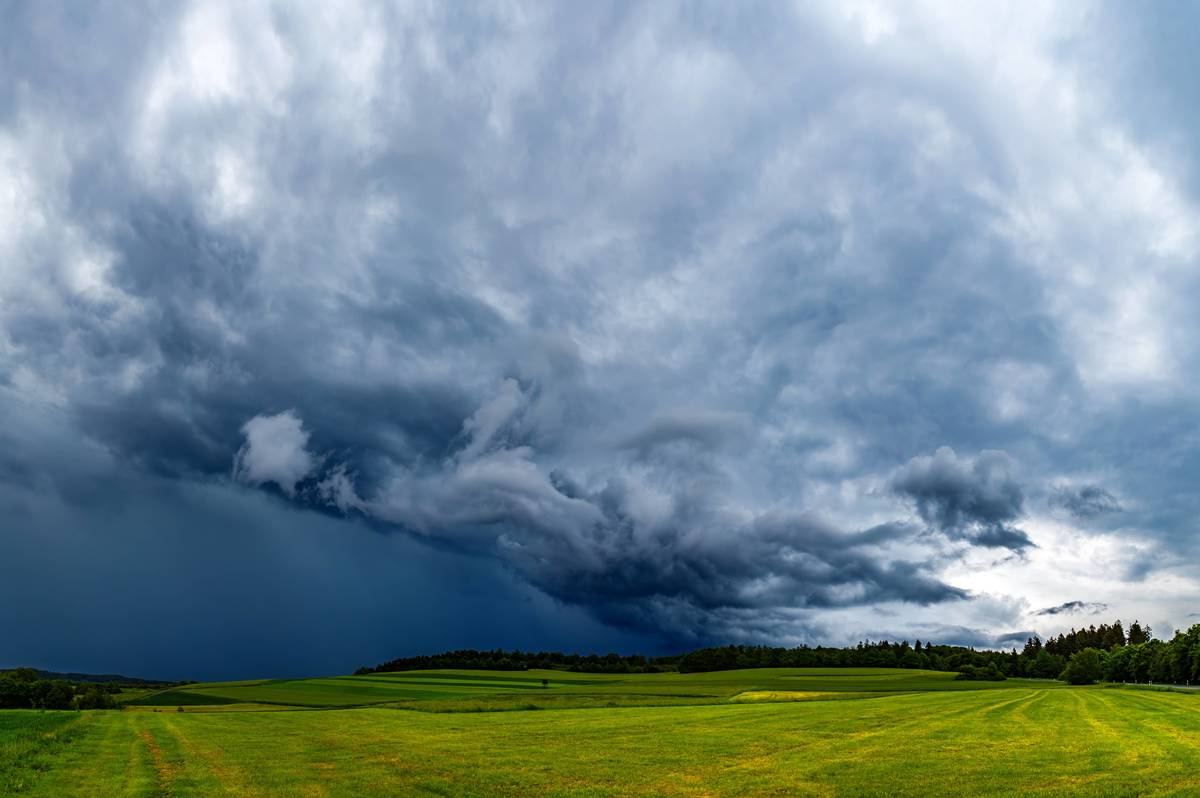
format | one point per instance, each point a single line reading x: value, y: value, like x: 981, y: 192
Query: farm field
x: 464, y: 691
x: 765, y: 732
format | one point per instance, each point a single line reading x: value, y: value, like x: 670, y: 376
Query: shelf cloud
x: 674, y: 322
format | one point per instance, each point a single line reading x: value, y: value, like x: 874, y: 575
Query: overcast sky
x: 333, y: 332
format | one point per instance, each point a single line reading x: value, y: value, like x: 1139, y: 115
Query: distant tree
x: 93, y: 696
x: 1046, y: 665
x: 55, y: 694
x: 23, y: 674
x: 14, y: 693
x: 1115, y: 638
x: 986, y: 673
x: 1119, y: 665
x: 1084, y: 667
x: 1138, y: 634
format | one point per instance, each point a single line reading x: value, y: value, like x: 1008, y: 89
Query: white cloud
x: 275, y: 451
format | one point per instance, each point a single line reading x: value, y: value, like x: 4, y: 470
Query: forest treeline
x: 1108, y: 652
x: 1114, y: 649
x: 26, y: 688
x: 29, y: 688
x: 498, y: 660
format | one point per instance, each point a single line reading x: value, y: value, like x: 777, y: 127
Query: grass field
x: 465, y: 691
x: 766, y: 732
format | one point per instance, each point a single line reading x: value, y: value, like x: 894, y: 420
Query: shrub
x: 986, y: 673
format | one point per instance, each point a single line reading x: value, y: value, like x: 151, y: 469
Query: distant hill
x: 95, y: 678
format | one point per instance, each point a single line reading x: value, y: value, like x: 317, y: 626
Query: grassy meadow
x: 760, y: 732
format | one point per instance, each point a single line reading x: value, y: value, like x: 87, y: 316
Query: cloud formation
x: 1075, y: 608
x: 641, y: 548
x: 1086, y: 501
x: 706, y: 320
x: 274, y: 452
x: 970, y: 499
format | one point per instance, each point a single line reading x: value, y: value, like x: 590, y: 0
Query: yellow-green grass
x: 669, y: 689
x: 793, y: 695
x: 30, y: 742
x: 456, y: 690
x: 135, y: 694
x: 1019, y: 740
x: 492, y: 691
x: 365, y: 690
x: 238, y: 707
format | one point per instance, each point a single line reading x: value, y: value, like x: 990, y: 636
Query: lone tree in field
x: 545, y: 683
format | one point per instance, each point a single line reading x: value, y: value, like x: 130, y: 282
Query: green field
x: 462, y: 691
x: 763, y: 732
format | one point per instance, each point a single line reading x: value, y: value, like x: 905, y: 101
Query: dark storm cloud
x: 233, y: 583
x: 641, y: 303
x: 970, y: 499
x: 655, y: 553
x: 1075, y: 608
x: 1086, y: 501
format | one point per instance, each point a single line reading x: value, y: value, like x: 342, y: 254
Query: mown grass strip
x: 32, y: 742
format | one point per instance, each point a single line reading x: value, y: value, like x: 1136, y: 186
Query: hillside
x: 93, y: 678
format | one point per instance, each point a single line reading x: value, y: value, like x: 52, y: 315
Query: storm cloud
x: 1086, y: 501
x: 972, y: 499
x: 696, y: 321
x: 649, y: 547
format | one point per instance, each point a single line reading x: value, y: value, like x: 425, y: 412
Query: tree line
x: 1174, y: 661
x: 971, y: 663
x: 25, y: 688
x: 1108, y: 652
x: 500, y: 660
x: 882, y: 654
